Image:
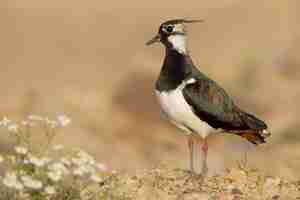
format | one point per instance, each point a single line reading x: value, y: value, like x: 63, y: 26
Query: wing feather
x: 211, y: 104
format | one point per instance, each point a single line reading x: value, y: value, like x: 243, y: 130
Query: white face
x: 178, y: 37
x: 178, y: 42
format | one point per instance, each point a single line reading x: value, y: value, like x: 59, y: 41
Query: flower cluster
x: 32, y: 120
x: 10, y: 180
x: 43, y: 173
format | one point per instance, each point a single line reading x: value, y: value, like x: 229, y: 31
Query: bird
x: 193, y: 102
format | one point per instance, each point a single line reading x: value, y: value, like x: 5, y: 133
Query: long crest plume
x: 183, y: 20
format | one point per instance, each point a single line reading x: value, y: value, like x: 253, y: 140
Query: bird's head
x: 172, y: 34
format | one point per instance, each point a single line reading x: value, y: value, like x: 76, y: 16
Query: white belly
x: 179, y: 112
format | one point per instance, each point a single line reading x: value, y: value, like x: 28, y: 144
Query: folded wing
x: 212, y: 105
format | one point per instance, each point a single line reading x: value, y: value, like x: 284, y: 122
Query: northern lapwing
x: 195, y: 103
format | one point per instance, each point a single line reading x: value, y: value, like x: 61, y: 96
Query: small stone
x: 236, y: 191
x: 236, y: 197
x: 275, y: 197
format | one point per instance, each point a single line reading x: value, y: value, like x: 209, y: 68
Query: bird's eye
x: 169, y: 29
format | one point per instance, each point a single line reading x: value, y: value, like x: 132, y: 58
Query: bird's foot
x: 192, y: 174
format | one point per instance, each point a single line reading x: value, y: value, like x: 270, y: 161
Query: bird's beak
x: 153, y: 40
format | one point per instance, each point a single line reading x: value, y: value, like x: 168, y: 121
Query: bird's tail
x: 253, y: 122
x: 252, y: 136
x: 257, y: 129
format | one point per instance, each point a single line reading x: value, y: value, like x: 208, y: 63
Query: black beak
x: 153, y: 40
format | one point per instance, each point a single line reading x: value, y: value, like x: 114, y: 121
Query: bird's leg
x: 198, y: 157
x: 204, y: 149
x: 191, y: 151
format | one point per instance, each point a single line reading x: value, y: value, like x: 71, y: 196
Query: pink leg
x: 191, y: 151
x: 198, y: 157
x: 204, y: 148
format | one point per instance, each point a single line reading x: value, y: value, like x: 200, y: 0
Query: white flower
x: 35, y: 118
x: 21, y: 150
x: 50, y: 190
x: 26, y: 161
x: 37, y: 161
x: 57, y: 147
x: 4, y: 121
x: 66, y: 161
x: 80, y: 171
x: 51, y: 123
x: 27, y: 123
x: 63, y: 120
x: 31, y: 183
x: 54, y: 176
x: 19, y: 186
x: 101, y: 166
x: 56, y: 171
x: 84, y: 154
x: 96, y: 178
x: 91, y: 161
x: 10, y: 180
x: 90, y: 169
x: 84, y: 158
x: 59, y: 168
x: 13, y: 128
x: 84, y: 169
x: 77, y: 161
x: 46, y: 159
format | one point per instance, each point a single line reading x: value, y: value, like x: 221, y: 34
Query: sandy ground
x: 88, y: 59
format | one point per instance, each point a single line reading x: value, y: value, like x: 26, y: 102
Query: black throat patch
x: 176, y: 68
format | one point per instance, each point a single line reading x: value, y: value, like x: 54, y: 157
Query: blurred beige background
x: 88, y: 59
